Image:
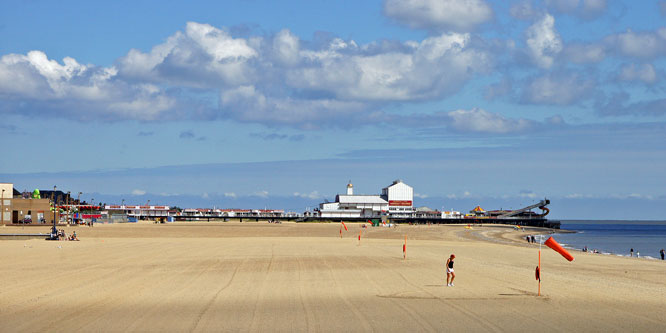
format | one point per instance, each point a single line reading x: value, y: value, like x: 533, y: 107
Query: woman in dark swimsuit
x: 450, y: 275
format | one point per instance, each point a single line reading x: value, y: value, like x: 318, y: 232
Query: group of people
x: 274, y: 221
x: 63, y: 236
x: 530, y: 239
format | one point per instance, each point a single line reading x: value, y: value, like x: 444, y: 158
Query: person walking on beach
x: 450, y: 275
x: 631, y: 252
x: 662, y: 252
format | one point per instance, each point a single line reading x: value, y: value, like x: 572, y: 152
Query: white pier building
x: 396, y: 200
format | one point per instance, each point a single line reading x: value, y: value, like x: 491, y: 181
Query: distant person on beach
x: 631, y: 252
x: 662, y: 252
x: 450, y: 275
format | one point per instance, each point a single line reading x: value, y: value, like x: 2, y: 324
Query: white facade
x: 400, y: 198
x: 395, y: 200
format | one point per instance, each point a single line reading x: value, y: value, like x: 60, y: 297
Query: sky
x: 278, y: 104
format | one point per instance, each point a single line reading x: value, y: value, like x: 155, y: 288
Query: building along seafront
x: 396, y: 200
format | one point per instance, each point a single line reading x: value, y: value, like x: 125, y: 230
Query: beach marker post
x: 551, y: 243
x: 404, y: 249
x: 359, y: 236
x: 538, y: 270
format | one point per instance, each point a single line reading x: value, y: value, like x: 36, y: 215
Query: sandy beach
x: 303, y: 277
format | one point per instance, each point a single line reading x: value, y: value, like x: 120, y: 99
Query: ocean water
x: 616, y: 237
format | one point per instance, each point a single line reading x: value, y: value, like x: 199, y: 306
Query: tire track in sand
x: 416, y: 318
x: 354, y: 309
x: 214, y: 298
x: 485, y: 323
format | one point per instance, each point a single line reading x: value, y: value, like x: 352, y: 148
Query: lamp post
x: 69, y: 207
x: 2, y: 210
x: 54, y: 231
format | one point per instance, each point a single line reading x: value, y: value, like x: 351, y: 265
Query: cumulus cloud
x: 543, y: 41
x: 632, y: 72
x: 274, y: 80
x: 558, y: 89
x: 33, y: 83
x: 201, y: 56
x: 582, y: 53
x: 643, y: 45
x: 439, y: 15
x: 230, y: 195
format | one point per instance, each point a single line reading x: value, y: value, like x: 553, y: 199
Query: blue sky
x: 279, y: 104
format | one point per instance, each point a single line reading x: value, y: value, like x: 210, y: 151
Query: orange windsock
x: 344, y: 225
x: 551, y: 243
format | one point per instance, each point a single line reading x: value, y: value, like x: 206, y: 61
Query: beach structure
x: 396, y: 200
x: 194, y: 213
x: 135, y: 213
x: 17, y: 208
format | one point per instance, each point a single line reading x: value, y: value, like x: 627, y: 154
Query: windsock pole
x: 539, y: 291
x: 340, y: 231
x: 359, y: 237
x: 404, y: 249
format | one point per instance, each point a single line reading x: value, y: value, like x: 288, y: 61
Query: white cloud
x: 77, y: 91
x: 580, y: 53
x: 434, y: 67
x: 478, y: 120
x: 202, y: 56
x: 543, y: 41
x: 276, y: 80
x: 558, y: 89
x: 262, y: 194
x: 632, y: 72
x: 138, y: 192
x: 439, y: 15
x: 464, y: 195
x: 312, y: 195
x: 230, y: 195
x: 286, y: 48
x: 644, y: 45
x: 420, y: 196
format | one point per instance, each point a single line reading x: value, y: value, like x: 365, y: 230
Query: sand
x: 303, y: 277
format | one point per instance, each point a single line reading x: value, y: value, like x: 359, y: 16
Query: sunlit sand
x: 304, y: 277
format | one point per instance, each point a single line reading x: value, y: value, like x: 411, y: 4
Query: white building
x: 395, y: 200
x: 400, y: 198
x: 138, y: 212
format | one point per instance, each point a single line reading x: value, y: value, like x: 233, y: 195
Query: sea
x: 615, y: 237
